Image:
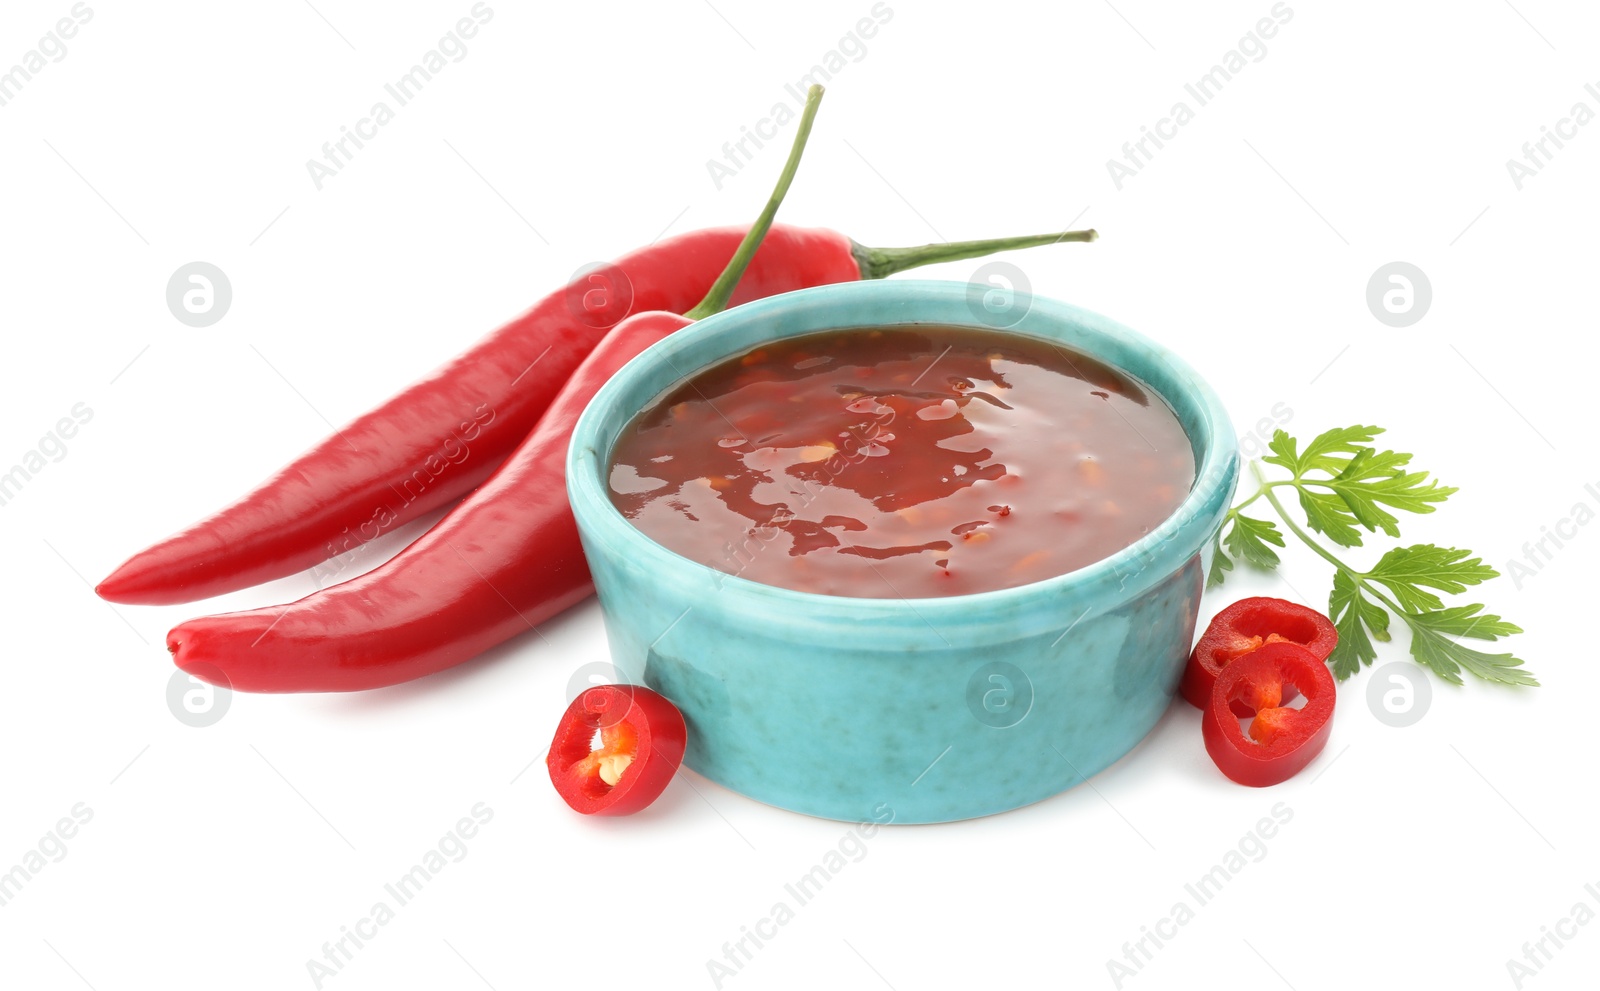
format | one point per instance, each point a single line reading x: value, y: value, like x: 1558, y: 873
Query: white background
x: 227, y: 856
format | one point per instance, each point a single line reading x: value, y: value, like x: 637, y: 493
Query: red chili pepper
x: 1246, y: 626
x: 1281, y: 740
x: 642, y: 738
x: 446, y: 434
x: 503, y: 561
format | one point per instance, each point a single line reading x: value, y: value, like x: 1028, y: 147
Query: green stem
x: 1356, y: 576
x: 1235, y: 510
x: 722, y: 289
x: 1261, y: 490
x: 876, y: 263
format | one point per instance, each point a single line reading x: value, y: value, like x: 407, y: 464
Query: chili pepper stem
x: 722, y: 289
x: 876, y: 263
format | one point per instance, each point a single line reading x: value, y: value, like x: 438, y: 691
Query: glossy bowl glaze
x: 923, y: 710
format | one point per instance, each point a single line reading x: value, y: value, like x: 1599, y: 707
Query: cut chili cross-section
x: 641, y: 741
x: 1280, y: 740
x: 1246, y: 626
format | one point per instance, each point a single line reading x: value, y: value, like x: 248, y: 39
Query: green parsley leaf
x: 1446, y: 658
x: 1220, y: 563
x: 1371, y: 479
x: 1409, y: 571
x: 1249, y: 539
x: 1330, y: 515
x: 1466, y: 621
x: 1353, y: 615
x: 1340, y: 440
x: 1285, y: 451
x: 1364, y: 480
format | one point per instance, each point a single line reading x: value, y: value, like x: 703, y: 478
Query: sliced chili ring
x: 1246, y: 626
x: 642, y: 738
x: 1280, y: 741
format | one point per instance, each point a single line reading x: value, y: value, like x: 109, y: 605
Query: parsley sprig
x: 1346, y: 486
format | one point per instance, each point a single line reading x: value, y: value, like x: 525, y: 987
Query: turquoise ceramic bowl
x: 922, y: 710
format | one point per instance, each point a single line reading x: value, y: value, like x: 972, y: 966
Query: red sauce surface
x: 902, y: 463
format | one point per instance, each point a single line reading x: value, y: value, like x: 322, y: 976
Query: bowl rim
x: 593, y: 509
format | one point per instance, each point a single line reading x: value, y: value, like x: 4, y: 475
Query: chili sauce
x: 902, y: 462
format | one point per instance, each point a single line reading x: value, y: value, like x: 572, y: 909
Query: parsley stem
x: 1260, y: 491
x: 1356, y: 576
